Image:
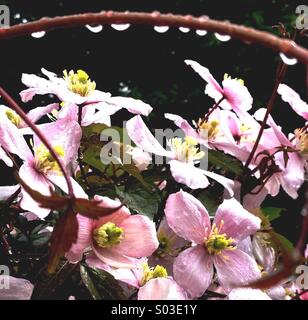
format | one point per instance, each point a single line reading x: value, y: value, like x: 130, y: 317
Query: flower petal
x: 188, y: 174
x: 205, y: 74
x: 161, y: 289
x: 193, y: 271
x: 235, y: 268
x: 140, y: 238
x: 84, y: 240
x: 132, y: 105
x: 18, y: 289
x: 236, y: 222
x: 143, y: 138
x: 187, y: 217
x: 294, y: 100
x: 247, y: 294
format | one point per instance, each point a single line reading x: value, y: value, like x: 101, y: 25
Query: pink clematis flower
x: 216, y: 245
x: 223, y: 130
x: 183, y: 155
x: 118, y: 239
x: 292, y: 174
x: 39, y: 170
x: 294, y: 100
x: 153, y: 283
x: 77, y: 88
x: 236, y: 95
x: 17, y: 289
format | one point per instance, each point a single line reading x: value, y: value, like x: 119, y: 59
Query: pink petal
x: 37, y: 182
x: 37, y: 113
x: 4, y: 157
x: 205, y: 74
x: 161, y: 289
x: 140, y: 238
x: 184, y: 125
x: 132, y: 105
x: 117, y: 217
x: 235, y: 268
x: 187, y: 217
x: 12, y: 140
x: 19, y: 289
x: 248, y: 294
x: 237, y: 95
x: 114, y: 259
x: 294, y: 100
x: 143, y: 138
x: 193, y: 271
x: 7, y: 191
x: 237, y: 223
x: 84, y: 240
x: 188, y: 174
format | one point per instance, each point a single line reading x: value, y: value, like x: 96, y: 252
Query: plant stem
x: 248, y: 35
x: 79, y: 159
x: 282, y: 69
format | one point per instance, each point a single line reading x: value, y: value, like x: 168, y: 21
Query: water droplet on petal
x: 222, y: 37
x: 161, y: 29
x: 120, y: 27
x: 287, y: 60
x: 201, y: 32
x: 39, y: 34
x: 95, y: 29
x: 184, y: 29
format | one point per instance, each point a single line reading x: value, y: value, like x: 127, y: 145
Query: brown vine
x: 247, y: 35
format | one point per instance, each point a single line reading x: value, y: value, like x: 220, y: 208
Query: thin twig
x: 11, y: 102
x: 247, y: 35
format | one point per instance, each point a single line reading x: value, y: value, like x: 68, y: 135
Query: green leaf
x: 134, y: 171
x: 284, y: 243
x: 101, y: 284
x: 272, y: 213
x: 223, y: 161
x: 140, y: 199
x: 210, y: 202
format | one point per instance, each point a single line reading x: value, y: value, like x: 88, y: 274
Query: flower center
x: 217, y: 242
x: 208, y: 129
x: 45, y: 161
x: 228, y: 77
x: 79, y: 82
x: 302, y: 141
x: 153, y: 273
x: 108, y: 235
x: 187, y: 150
x: 13, y: 117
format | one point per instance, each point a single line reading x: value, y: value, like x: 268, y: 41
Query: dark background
x: 151, y: 65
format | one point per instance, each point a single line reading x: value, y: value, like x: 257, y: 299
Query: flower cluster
x: 175, y: 230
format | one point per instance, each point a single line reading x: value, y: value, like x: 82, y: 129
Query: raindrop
x: 39, y: 34
x: 184, y: 29
x: 96, y: 29
x: 120, y: 27
x: 17, y: 16
x: 201, y: 32
x: 222, y: 37
x: 161, y: 29
x: 287, y: 60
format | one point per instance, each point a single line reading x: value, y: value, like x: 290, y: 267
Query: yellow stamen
x: 187, y: 150
x: 208, y: 129
x: 108, y: 235
x: 240, y: 81
x: 45, y: 161
x: 13, y: 117
x: 153, y: 273
x: 218, y: 242
x: 79, y: 82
